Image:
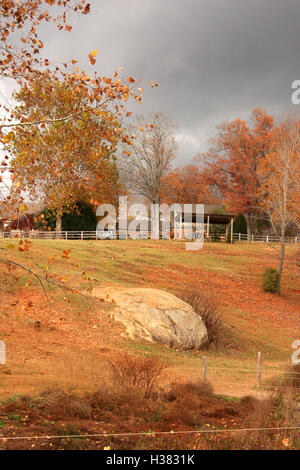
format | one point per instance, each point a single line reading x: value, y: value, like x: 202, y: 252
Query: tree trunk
x: 58, y: 222
x: 156, y: 199
x: 248, y: 222
x: 281, y: 258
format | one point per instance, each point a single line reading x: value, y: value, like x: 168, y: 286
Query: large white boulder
x: 156, y: 316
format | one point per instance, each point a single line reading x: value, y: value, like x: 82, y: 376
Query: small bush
x: 62, y: 404
x: 290, y: 380
x: 294, y: 379
x: 270, y: 281
x: 259, y: 411
x: 206, y: 309
x: 188, y: 403
x: 136, y: 373
x: 181, y: 390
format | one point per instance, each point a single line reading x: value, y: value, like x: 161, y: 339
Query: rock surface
x: 156, y: 316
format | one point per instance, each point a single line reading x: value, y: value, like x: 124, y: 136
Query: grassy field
x: 75, y: 333
x: 58, y: 350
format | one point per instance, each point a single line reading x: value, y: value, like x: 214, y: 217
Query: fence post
x: 204, y: 369
x: 81, y: 235
x: 296, y: 239
x: 252, y: 238
x: 2, y: 353
x: 267, y: 238
x: 259, y: 369
x: 239, y: 237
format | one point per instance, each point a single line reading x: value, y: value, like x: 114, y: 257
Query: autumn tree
x: 21, y: 59
x: 230, y: 166
x: 20, y: 52
x: 279, y: 191
x: 186, y: 185
x: 150, y: 156
x: 62, y: 161
x: 20, y: 20
x: 21, y: 42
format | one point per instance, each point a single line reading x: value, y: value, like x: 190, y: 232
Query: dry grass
x: 139, y: 373
x: 289, y: 380
x: 66, y: 352
x: 205, y: 307
x: 184, y: 406
x: 292, y: 379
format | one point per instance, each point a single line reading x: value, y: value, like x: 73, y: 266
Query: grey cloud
x: 213, y: 59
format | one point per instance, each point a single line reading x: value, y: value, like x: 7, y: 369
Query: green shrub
x: 270, y: 281
x: 240, y: 224
x: 81, y: 217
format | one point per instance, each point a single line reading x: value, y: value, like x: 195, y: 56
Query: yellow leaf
x: 286, y: 442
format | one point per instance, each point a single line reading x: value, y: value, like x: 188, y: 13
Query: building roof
x: 213, y: 214
x: 7, y: 213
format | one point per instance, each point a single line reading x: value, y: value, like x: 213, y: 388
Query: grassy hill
x: 75, y: 332
x: 57, y: 378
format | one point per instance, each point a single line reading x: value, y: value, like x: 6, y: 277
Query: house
x: 7, y: 215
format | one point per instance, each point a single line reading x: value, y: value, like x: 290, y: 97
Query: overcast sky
x: 213, y: 59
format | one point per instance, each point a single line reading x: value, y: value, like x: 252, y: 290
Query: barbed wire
x: 150, y: 433
x: 261, y: 388
x: 252, y: 370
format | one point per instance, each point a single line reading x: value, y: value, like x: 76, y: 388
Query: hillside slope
x: 66, y: 342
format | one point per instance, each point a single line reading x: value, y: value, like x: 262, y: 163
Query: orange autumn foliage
x: 231, y: 164
x: 279, y: 192
x: 186, y: 185
x: 66, y: 160
x: 102, y: 99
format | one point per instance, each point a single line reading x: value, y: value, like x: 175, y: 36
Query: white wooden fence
x: 242, y: 237
x: 74, y: 235
x: 95, y: 235
x: 34, y: 234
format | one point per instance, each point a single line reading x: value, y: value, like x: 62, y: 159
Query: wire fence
x: 259, y: 374
x: 152, y: 433
x: 211, y: 374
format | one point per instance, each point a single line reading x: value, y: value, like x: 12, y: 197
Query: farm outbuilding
x: 213, y: 215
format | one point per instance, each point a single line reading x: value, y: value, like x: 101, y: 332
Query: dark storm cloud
x: 213, y: 59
